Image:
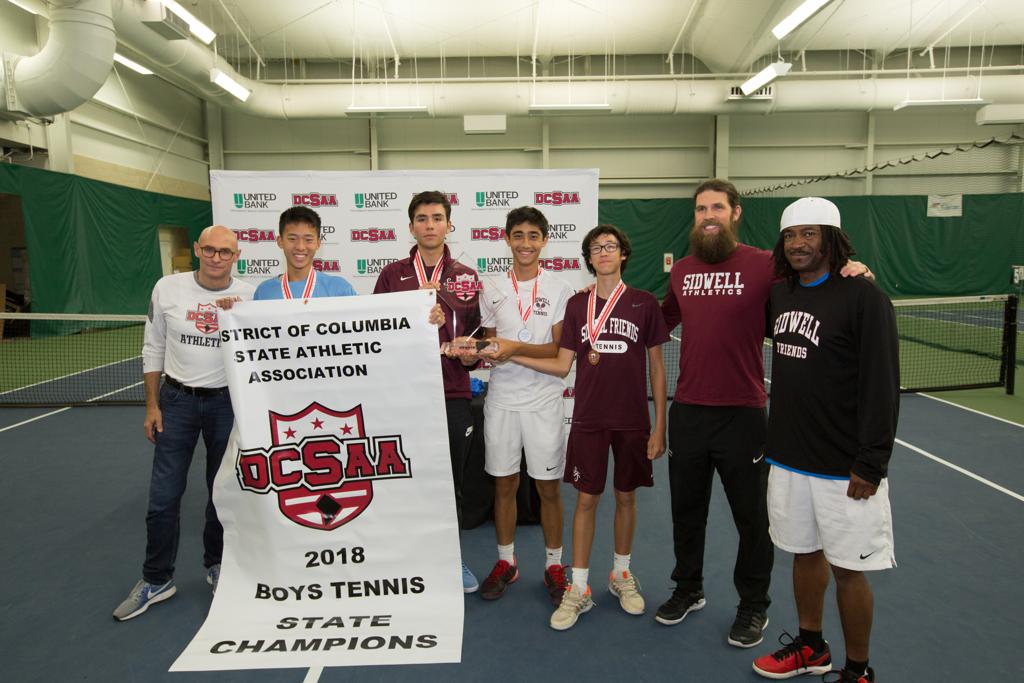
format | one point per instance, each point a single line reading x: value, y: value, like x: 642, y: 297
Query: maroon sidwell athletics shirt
x: 722, y: 309
x: 459, y: 297
x: 613, y: 393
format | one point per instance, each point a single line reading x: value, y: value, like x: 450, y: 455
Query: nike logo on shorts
x: 551, y: 469
x: 407, y: 277
x: 469, y: 431
x: 864, y: 557
x: 759, y: 458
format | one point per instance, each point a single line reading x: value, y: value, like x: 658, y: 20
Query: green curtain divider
x: 93, y: 247
x: 910, y: 253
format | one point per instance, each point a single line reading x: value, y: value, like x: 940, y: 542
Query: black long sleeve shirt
x: 835, y: 378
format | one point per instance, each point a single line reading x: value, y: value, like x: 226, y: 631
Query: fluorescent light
x: 25, y: 6
x: 134, y: 66
x: 766, y: 76
x: 971, y: 102
x: 198, y: 28
x: 797, y: 17
x: 387, y: 109
x: 231, y: 85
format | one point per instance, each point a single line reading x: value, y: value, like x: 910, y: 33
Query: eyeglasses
x: 224, y: 253
x: 610, y: 247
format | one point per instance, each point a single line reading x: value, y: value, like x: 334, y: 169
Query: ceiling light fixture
x: 134, y: 66
x: 25, y: 6
x: 571, y: 108
x: 798, y: 16
x: 198, y: 28
x: 971, y: 102
x: 231, y: 85
x: 396, y: 110
x: 765, y: 76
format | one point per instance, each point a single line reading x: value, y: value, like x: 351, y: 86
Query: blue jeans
x: 184, y: 417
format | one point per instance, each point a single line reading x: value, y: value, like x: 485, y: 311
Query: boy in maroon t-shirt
x: 614, y: 330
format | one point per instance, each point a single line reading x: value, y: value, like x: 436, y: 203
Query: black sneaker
x: 497, y: 581
x: 847, y: 676
x: 748, y: 628
x: 678, y: 606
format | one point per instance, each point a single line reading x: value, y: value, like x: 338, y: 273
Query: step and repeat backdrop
x: 366, y: 221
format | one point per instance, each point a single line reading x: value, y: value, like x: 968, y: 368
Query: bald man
x: 182, y: 344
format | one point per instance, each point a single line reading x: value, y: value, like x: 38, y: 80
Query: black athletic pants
x: 460, y: 439
x: 728, y: 439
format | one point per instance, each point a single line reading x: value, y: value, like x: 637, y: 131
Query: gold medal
x: 593, y: 356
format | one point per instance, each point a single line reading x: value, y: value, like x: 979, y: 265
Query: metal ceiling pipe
x: 71, y: 67
x: 190, y: 61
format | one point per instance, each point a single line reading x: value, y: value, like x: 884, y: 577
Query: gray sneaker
x: 142, y: 596
x: 213, y: 576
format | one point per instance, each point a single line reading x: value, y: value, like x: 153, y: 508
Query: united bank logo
x: 374, y: 200
x: 556, y: 198
x: 371, y: 267
x: 495, y: 198
x: 561, y: 232
x: 254, y: 201
x: 314, y: 199
x: 499, y: 264
x: 327, y: 234
x: 257, y: 266
x: 322, y: 465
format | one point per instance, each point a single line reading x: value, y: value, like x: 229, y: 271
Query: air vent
x: 765, y: 93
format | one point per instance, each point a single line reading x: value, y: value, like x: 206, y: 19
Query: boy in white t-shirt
x: 523, y: 409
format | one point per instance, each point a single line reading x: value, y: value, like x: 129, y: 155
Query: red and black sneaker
x: 794, y: 659
x: 556, y: 582
x: 847, y: 676
x: 496, y: 583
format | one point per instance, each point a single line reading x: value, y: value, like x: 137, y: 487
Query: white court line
x: 37, y: 417
x: 313, y: 675
x: 61, y: 410
x: 961, y: 470
x: 972, y: 410
x: 80, y: 372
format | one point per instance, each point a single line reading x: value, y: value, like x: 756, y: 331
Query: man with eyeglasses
x: 182, y: 343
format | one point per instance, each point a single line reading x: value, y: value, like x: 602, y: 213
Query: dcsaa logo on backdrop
x: 556, y: 198
x: 371, y: 267
x: 493, y: 233
x: 558, y: 264
x: 254, y: 201
x: 374, y: 200
x: 373, y: 235
x: 258, y: 266
x: 314, y: 199
x: 253, y: 235
x: 327, y: 265
x: 491, y: 199
x: 322, y: 465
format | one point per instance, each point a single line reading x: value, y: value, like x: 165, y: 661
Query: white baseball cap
x: 810, y: 211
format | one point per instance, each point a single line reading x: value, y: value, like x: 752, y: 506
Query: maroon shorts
x: 586, y: 460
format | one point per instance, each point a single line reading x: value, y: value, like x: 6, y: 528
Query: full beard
x: 714, y: 247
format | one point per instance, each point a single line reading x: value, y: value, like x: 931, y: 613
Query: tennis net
x: 945, y: 344
x: 55, y: 359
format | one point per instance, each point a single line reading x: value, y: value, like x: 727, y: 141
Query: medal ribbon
x: 306, y: 292
x: 594, y: 326
x: 533, y: 297
x: 421, y: 270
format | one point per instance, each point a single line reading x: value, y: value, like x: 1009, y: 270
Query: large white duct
x: 190, y: 60
x: 70, y: 68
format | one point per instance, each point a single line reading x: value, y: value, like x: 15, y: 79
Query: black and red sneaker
x: 496, y: 583
x: 794, y: 659
x: 556, y: 582
x: 847, y: 676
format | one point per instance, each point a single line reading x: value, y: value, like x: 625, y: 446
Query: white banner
x: 341, y: 543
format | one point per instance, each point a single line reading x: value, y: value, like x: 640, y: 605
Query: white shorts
x: 508, y: 432
x: 807, y: 514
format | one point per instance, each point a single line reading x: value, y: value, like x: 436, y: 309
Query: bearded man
x: 717, y: 420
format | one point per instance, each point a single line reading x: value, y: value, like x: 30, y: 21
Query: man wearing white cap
x: 835, y: 402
